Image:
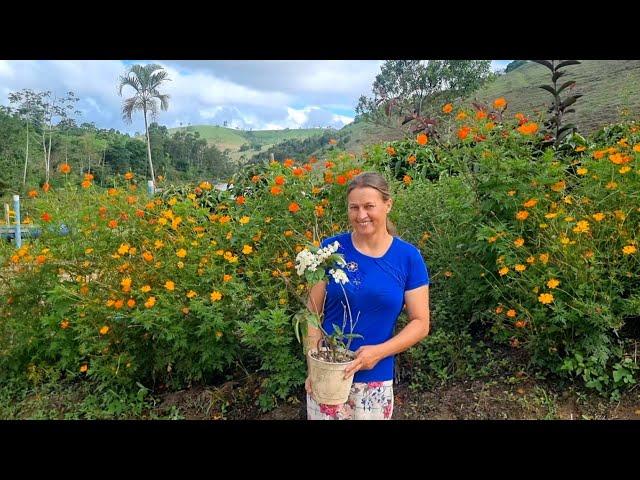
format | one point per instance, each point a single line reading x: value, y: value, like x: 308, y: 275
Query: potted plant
x: 331, y: 355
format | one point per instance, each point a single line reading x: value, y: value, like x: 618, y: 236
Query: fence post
x: 6, y: 214
x: 16, y: 208
x: 150, y: 187
x: 271, y: 155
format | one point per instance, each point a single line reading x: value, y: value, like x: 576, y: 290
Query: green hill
x: 243, y: 143
x: 611, y: 90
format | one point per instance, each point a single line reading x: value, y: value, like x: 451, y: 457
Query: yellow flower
x: 530, y: 203
x: 518, y: 242
x: 598, y: 216
x: 151, y: 301
x: 145, y: 288
x: 226, y: 278
x: 553, y: 283
x: 169, y: 285
x: 611, y: 186
x: 520, y: 268
x: 522, y: 215
x: 88, y: 251
x: 181, y: 253
x: 503, y: 271
x: 84, y: 368
x: 581, y: 227
x: 126, y: 284
x: 215, y: 296
x: 247, y: 249
x: 172, y: 201
x: 244, y: 220
x: 582, y: 171
x: 158, y: 244
x: 511, y: 313
x: 511, y: 193
x: 104, y: 330
x: 191, y: 294
x: 544, y: 258
x: 629, y: 249
x: 625, y: 169
x: 531, y: 260
x: 545, y: 298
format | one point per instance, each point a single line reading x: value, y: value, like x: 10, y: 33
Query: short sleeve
x: 418, y: 273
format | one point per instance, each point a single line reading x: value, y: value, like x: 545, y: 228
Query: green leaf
x: 549, y: 89
x: 546, y: 63
x: 569, y: 101
x: 566, y: 63
x: 566, y: 85
x: 557, y: 75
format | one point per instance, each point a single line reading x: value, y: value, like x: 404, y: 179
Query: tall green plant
x: 559, y: 107
x: 145, y: 80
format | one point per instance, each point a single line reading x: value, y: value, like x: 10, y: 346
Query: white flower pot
x: 327, y: 380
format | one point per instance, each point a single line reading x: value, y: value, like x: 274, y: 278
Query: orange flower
x: 280, y: 180
x: 407, y: 180
x: 85, y: 184
x: 411, y: 159
x: 530, y: 203
x: 151, y: 301
x: 65, y: 168
x: 139, y: 213
x: 226, y: 278
x: 319, y: 210
x: 463, y: 132
x: 215, y: 296
x: 461, y: 115
x: 288, y: 233
x: 390, y: 150
x: 147, y: 256
x: 46, y: 217
x: 511, y: 313
x: 294, y: 207
x: 447, y: 108
x: 422, y: 139
x: 520, y: 323
x: 480, y: 114
x: 40, y: 259
x: 84, y: 367
x: 169, y: 285
x: 499, y: 103
x: 33, y: 193
x: 329, y: 164
x: 528, y: 128
x: 341, y: 179
x: 545, y: 298
x: 255, y: 178
x: 522, y: 215
x: 131, y: 303
x: 288, y: 162
x: 112, y: 224
x: 64, y: 324
x: 275, y: 190
x: 128, y: 175
x: 46, y: 187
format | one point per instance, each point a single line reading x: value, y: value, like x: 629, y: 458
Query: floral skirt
x: 367, y: 401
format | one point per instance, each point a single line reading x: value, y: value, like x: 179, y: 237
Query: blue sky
x: 258, y: 95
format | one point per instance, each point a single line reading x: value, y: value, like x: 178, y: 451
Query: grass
x: 232, y: 140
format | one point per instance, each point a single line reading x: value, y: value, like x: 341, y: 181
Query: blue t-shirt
x: 376, y: 290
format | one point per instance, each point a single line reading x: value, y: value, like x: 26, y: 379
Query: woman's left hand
x: 367, y: 357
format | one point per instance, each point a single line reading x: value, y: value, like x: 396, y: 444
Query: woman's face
x: 367, y: 210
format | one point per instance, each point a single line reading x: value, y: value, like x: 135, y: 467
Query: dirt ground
x: 512, y: 398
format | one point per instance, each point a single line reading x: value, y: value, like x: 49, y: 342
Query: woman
x: 384, y: 273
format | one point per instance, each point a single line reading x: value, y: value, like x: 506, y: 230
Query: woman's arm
x: 417, y: 302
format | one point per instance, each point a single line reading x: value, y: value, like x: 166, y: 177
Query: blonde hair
x: 378, y: 182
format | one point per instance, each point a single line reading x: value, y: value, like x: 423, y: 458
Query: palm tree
x: 145, y: 80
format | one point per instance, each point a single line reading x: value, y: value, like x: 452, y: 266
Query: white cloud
x: 5, y: 69
x: 247, y: 94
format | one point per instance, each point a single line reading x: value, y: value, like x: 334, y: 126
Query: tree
x: 407, y: 86
x: 145, y: 80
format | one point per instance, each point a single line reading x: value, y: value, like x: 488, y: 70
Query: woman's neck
x: 372, y: 243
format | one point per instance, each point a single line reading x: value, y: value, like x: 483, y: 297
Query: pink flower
x: 388, y: 409
x: 330, y: 410
x: 374, y: 384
